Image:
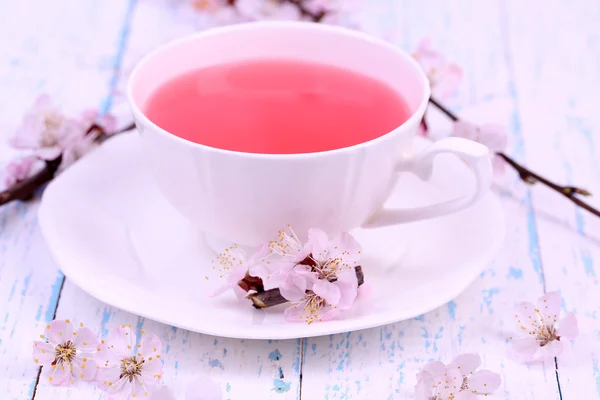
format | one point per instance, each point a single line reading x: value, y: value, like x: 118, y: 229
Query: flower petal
x: 293, y: 288
x: 348, y: 294
x: 484, y: 381
x: 525, y: 348
x: 139, y: 389
x: 295, y: 312
x: 549, y: 307
x: 59, y: 331
x: 85, y: 340
x: 43, y: 353
x: 121, y: 341
x: 150, y: 347
x: 526, y: 318
x: 423, y: 389
x: 568, y: 327
x: 432, y: 369
x: 317, y: 244
x: 107, y: 378
x: 48, y: 153
x: 550, y: 350
x: 450, y: 384
x: 58, y: 374
x: 466, y: 363
x: 203, y: 388
x: 152, y: 373
x: 84, y: 368
x: 465, y: 395
x: 328, y: 291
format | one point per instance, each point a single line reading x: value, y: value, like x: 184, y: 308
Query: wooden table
x: 531, y: 65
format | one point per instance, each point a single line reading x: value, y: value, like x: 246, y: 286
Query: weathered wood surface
x: 532, y: 66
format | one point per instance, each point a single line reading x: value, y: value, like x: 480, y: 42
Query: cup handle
x: 474, y: 154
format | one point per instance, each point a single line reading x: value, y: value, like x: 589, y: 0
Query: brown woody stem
x: 273, y: 297
x: 25, y: 189
x: 530, y: 177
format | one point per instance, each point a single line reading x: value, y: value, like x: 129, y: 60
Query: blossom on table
x: 127, y: 370
x: 49, y: 133
x: 541, y: 330
x: 45, y: 130
x: 460, y: 379
x: 203, y: 388
x: 444, y: 77
x: 66, y: 354
x: 493, y: 136
x: 19, y: 170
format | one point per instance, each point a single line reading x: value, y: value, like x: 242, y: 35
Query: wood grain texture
x: 557, y: 88
x: 532, y: 66
x: 67, y: 49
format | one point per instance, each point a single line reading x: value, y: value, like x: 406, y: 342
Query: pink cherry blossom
x: 443, y: 77
x: 322, y: 260
x: 45, y: 130
x: 128, y: 370
x: 335, y: 259
x: 66, y: 354
x: 203, y: 388
x: 443, y: 385
x: 491, y: 135
x: 233, y: 265
x: 443, y: 380
x: 49, y: 133
x: 541, y: 330
x: 268, y: 10
x: 19, y: 170
x: 323, y: 303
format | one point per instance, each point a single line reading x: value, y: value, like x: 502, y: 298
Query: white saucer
x: 114, y: 235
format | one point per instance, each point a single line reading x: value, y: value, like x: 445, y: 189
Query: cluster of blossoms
x: 51, y: 136
x: 319, y: 277
x: 118, y: 364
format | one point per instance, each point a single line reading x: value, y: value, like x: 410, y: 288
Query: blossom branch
x: 315, y: 17
x: 25, y: 189
x: 529, y: 176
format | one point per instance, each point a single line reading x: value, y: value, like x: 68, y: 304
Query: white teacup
x: 245, y: 197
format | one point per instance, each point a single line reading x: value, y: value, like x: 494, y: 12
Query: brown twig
x: 273, y: 297
x: 314, y: 17
x: 530, y: 177
x: 25, y: 190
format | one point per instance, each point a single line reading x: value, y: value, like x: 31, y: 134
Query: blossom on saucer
x: 493, y: 136
x: 443, y: 77
x: 322, y: 303
x: 541, y: 329
x: 268, y: 10
x: 19, y: 170
x: 330, y: 263
x: 203, y: 388
x: 66, y: 354
x: 128, y: 370
x: 458, y: 380
x: 234, y: 265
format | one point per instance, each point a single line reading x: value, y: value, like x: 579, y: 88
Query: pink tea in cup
x: 276, y: 106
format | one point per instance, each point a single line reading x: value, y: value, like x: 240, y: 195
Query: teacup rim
x: 144, y: 120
